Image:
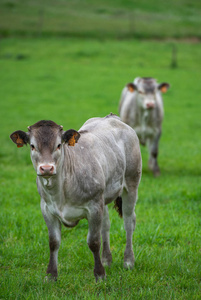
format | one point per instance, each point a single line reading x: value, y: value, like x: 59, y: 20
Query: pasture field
x: 103, y: 18
x: 69, y: 81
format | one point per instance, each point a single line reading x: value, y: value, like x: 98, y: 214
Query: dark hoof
x: 156, y: 173
x: 107, y: 260
x: 129, y: 260
x: 128, y: 265
x: 100, y: 275
x: 50, y: 278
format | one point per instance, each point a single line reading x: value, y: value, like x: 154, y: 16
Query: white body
x: 78, y: 182
x: 141, y: 107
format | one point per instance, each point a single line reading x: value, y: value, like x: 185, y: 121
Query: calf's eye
x: 32, y: 147
x: 59, y: 147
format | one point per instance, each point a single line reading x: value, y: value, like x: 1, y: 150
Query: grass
x: 117, y: 19
x: 69, y: 81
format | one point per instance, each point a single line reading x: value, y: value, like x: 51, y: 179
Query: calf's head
x: 147, y: 89
x: 46, y: 140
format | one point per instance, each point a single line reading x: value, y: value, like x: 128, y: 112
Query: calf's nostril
x: 41, y: 169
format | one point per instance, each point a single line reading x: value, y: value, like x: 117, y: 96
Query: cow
x: 78, y: 174
x: 141, y: 107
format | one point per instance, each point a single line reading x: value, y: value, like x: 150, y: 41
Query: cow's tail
x: 118, y: 206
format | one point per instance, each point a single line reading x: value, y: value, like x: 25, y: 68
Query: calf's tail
x: 118, y: 206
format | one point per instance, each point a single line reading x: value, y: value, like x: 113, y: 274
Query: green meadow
x: 67, y: 61
x: 120, y: 19
x: 69, y: 81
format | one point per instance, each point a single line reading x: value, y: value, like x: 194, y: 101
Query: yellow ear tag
x: 130, y: 88
x: 164, y: 89
x: 72, y: 141
x: 19, y: 142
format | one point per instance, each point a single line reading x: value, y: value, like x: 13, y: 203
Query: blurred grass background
x: 103, y: 19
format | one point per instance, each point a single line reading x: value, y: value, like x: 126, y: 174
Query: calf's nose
x: 150, y: 105
x: 46, y: 170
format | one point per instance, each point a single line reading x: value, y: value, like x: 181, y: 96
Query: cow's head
x: 147, y: 89
x: 46, y: 140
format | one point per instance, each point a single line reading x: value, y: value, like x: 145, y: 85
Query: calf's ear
x: 71, y: 137
x: 131, y: 87
x: 163, y: 87
x: 20, y: 138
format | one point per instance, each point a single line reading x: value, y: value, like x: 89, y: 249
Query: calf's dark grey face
x: 46, y: 140
x: 147, y: 89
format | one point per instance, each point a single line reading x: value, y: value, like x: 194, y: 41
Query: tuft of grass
x: 69, y: 81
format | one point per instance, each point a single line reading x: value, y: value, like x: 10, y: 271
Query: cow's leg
x: 94, y: 239
x: 153, y: 154
x: 128, y: 206
x: 54, y: 243
x: 54, y: 231
x: 105, y: 231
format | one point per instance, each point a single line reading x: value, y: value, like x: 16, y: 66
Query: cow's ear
x: 20, y: 138
x: 131, y: 87
x: 71, y: 137
x: 163, y: 87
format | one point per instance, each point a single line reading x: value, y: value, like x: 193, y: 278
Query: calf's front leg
x: 54, y: 231
x: 153, y: 154
x: 94, y: 240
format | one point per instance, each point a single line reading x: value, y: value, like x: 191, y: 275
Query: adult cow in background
x: 78, y: 174
x: 141, y: 107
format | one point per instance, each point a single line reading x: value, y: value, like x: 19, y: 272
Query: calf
x: 78, y: 174
x: 141, y: 107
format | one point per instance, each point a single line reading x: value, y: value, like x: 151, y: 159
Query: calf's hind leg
x: 128, y: 206
x: 94, y: 239
x: 105, y: 231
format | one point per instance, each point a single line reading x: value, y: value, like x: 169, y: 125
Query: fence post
x: 131, y: 19
x: 174, y: 64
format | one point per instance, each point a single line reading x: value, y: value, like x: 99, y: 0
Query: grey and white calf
x: 78, y: 182
x: 141, y: 107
